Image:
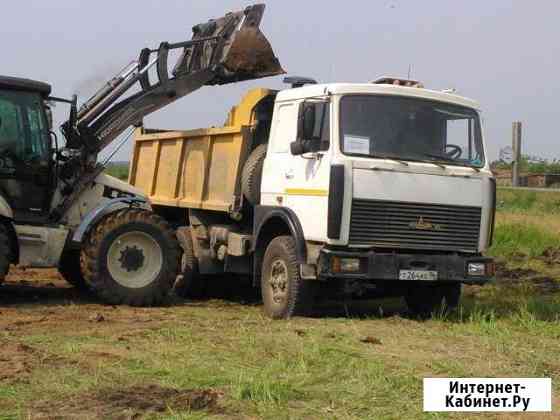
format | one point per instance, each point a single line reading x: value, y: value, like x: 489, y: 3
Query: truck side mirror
x: 307, y: 121
x: 306, y: 128
x: 297, y: 148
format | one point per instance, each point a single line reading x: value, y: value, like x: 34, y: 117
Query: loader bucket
x: 239, y: 52
x: 225, y: 50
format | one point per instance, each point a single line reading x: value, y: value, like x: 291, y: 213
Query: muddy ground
x: 36, y: 304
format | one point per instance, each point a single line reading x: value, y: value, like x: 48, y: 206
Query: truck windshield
x: 411, y: 129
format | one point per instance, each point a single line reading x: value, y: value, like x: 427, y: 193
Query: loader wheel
x: 131, y: 257
x: 5, y: 252
x: 284, y: 292
x: 424, y: 300
x: 70, y: 269
x: 252, y: 175
x: 190, y: 283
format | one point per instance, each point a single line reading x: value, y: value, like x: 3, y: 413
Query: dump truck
x: 329, y: 190
x: 58, y: 208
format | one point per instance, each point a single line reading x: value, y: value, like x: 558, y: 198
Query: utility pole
x: 516, y: 146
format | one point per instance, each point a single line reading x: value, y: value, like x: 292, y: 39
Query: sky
x: 504, y: 54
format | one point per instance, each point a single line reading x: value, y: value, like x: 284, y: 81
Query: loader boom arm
x: 221, y: 51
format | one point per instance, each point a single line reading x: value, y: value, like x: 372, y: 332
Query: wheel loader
x: 59, y: 209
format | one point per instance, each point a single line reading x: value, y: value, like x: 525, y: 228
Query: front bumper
x: 379, y: 266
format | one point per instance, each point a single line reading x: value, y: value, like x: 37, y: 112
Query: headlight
x: 479, y: 269
x: 476, y: 269
x: 347, y: 265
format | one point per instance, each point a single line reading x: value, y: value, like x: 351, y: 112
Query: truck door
x: 25, y: 155
x: 299, y: 182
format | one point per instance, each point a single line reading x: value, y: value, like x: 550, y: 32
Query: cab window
x: 285, y: 131
x: 322, y: 130
x: 23, y: 126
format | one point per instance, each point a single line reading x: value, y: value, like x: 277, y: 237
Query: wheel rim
x: 134, y: 259
x: 278, y: 282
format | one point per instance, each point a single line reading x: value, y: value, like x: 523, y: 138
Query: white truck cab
x: 389, y: 183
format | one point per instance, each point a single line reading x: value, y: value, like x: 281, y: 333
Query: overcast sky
x: 505, y: 54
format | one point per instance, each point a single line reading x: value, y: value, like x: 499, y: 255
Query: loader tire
x: 5, y: 252
x: 131, y: 257
x: 284, y: 292
x: 70, y: 269
x: 189, y: 284
x: 252, y: 175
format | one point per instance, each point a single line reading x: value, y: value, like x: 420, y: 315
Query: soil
x: 40, y: 302
x: 135, y: 402
x: 542, y: 284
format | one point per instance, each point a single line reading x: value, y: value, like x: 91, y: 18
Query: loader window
x: 23, y: 127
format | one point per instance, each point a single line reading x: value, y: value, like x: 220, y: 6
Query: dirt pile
x: 16, y: 362
x: 542, y: 284
x: 135, y: 402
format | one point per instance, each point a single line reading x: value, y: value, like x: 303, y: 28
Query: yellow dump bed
x: 200, y: 168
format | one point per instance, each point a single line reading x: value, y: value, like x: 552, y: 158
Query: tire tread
x: 92, y: 268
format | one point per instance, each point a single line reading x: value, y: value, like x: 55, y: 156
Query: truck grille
x: 396, y: 224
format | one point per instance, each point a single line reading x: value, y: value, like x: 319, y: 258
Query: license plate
x: 423, y: 275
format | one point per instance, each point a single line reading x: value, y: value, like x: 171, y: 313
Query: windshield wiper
x: 432, y: 157
x: 442, y: 157
x: 402, y: 162
x: 451, y: 160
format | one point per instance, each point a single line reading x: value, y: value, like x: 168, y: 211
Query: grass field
x: 62, y: 354
x: 118, y: 170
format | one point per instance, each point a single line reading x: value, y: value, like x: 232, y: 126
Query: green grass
x: 303, y: 368
x: 512, y: 239
x: 528, y: 202
x: 527, y: 223
x: 118, y: 170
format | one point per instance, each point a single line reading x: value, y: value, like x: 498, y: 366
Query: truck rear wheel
x: 5, y: 252
x: 252, y: 175
x: 190, y: 283
x: 70, y: 269
x: 131, y: 257
x: 284, y: 292
x: 424, y: 300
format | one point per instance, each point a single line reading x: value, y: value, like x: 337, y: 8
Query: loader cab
x: 26, y: 163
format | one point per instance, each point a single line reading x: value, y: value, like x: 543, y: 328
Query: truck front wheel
x: 131, y: 257
x: 284, y: 292
x: 424, y: 300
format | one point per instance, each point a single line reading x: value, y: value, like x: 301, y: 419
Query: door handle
x: 289, y: 174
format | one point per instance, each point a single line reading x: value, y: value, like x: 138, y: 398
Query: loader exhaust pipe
x: 113, y: 90
x: 108, y: 88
